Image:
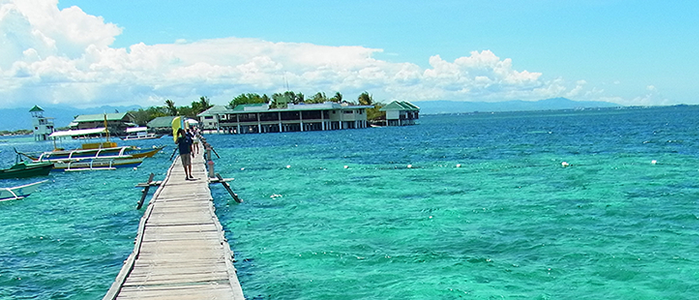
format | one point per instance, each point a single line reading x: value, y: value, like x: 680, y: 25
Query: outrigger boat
x: 93, y: 156
x: 104, y: 150
x: 19, y: 192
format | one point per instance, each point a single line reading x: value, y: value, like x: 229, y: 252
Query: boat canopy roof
x: 79, y: 132
x: 136, y: 129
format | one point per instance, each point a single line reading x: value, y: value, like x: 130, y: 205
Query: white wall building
x: 401, y: 113
x: 260, y: 118
x: 43, y: 126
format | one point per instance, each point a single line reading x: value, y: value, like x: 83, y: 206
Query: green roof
x: 100, y: 117
x: 413, y: 106
x: 214, y: 110
x: 36, y: 108
x: 400, y: 105
x: 242, y: 107
x: 161, y: 122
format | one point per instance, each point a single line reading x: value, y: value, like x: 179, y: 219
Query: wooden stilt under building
x: 180, y: 250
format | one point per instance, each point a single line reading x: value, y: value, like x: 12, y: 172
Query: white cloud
x: 64, y: 56
x: 575, y: 92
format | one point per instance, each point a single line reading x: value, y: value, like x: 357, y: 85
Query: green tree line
x: 282, y: 100
x: 278, y: 100
x: 143, y: 116
x: 16, y: 132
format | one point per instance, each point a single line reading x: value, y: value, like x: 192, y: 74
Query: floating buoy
x: 565, y: 164
x: 653, y: 161
x: 288, y: 166
x: 410, y: 166
x: 242, y: 169
x: 458, y: 165
x: 346, y: 167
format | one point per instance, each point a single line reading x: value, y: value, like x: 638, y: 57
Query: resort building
x: 401, y: 113
x: 116, y: 122
x: 161, y: 125
x: 210, y: 118
x: 43, y: 126
x: 260, y: 118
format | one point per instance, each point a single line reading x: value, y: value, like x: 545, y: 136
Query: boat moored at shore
x: 111, y: 151
x: 94, y: 156
x: 26, y: 169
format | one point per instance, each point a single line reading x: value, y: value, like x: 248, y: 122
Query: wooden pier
x: 180, y: 251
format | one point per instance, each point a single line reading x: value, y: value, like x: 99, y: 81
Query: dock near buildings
x: 180, y: 251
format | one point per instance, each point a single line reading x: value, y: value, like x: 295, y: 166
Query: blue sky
x: 90, y: 53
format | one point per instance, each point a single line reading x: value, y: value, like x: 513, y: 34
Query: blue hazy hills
x: 12, y: 119
x: 19, y: 118
x: 447, y: 107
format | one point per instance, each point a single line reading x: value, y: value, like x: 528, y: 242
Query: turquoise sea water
x: 458, y: 207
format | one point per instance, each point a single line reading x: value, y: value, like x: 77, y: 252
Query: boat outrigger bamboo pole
x: 106, y: 129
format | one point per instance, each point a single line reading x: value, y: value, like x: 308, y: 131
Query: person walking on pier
x: 195, y: 140
x: 184, y: 145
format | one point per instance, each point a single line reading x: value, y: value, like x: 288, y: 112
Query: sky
x: 86, y: 53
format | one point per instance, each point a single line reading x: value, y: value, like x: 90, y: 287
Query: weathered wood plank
x: 192, y: 292
x: 181, y: 251
x: 180, y: 228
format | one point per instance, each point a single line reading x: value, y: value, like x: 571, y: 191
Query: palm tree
x: 204, y: 103
x: 171, y: 108
x: 318, y: 98
x: 337, y: 98
x: 365, y: 99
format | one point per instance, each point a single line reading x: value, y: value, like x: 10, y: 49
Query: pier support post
x: 145, y: 191
x: 210, y: 162
x: 228, y: 188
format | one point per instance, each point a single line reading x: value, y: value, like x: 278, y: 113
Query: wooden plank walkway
x: 180, y: 251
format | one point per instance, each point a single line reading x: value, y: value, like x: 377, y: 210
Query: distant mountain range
x: 12, y: 119
x: 446, y: 106
x: 19, y: 118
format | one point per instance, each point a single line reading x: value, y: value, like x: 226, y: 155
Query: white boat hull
x: 97, y: 164
x: 19, y: 192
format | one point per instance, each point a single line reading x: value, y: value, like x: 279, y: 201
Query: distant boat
x: 139, y: 133
x: 19, y: 192
x: 26, y: 169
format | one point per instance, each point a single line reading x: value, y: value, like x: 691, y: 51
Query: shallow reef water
x: 472, y: 206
